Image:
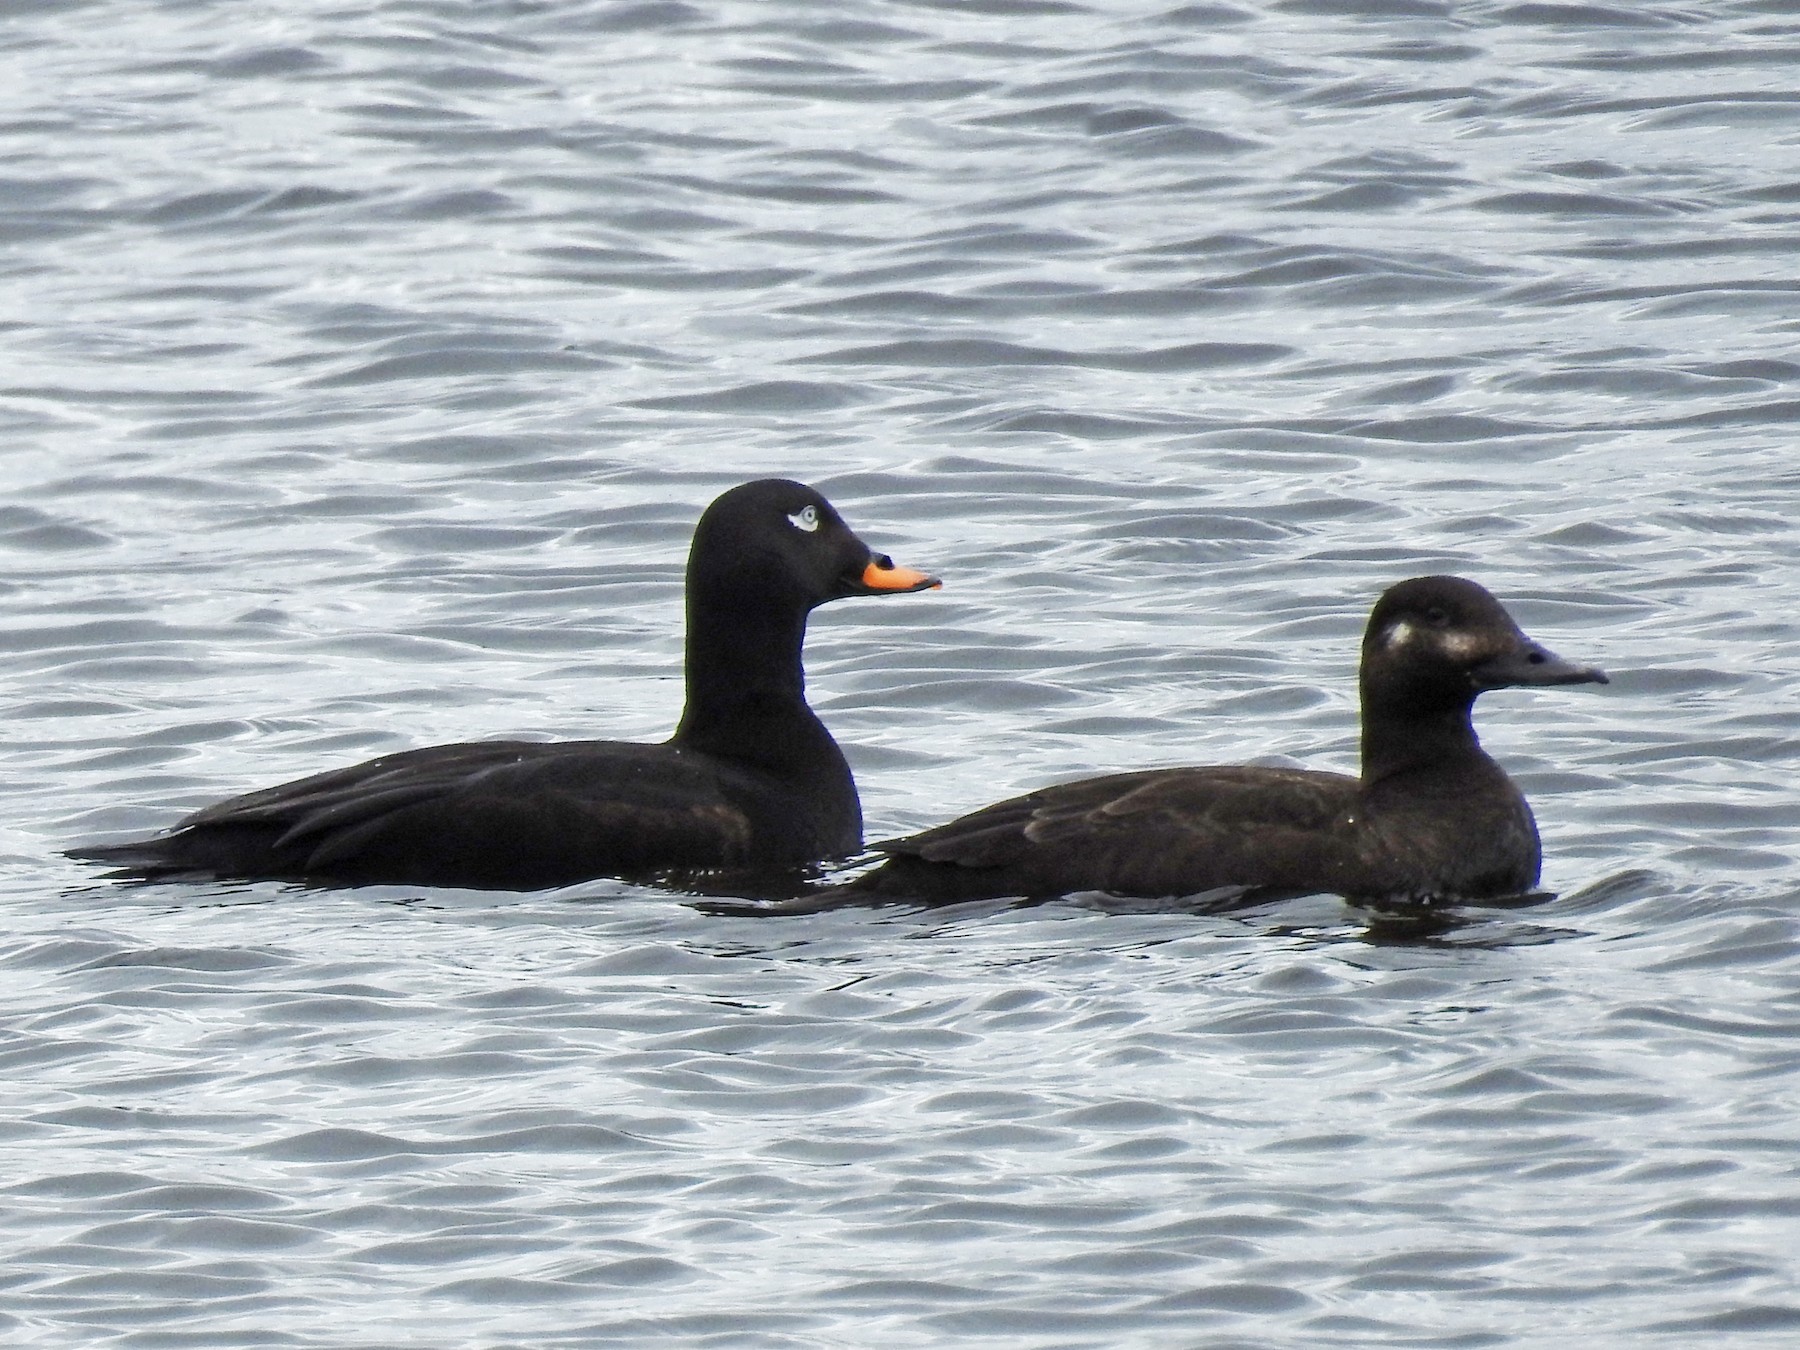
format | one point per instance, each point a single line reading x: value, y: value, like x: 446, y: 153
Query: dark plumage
x: 750, y: 779
x: 1431, y: 817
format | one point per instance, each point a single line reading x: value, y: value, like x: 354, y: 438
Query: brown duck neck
x: 1397, y: 741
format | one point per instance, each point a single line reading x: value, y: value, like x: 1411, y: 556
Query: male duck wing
x: 502, y: 814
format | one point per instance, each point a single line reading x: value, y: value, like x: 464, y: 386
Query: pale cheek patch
x: 1464, y: 647
x: 1467, y: 648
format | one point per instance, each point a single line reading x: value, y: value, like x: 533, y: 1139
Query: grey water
x: 362, y: 372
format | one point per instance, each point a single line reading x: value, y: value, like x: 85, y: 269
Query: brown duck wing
x: 1160, y: 832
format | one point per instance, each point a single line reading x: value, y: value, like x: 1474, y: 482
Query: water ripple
x: 365, y: 374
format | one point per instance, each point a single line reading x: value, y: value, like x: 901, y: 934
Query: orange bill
x: 882, y: 575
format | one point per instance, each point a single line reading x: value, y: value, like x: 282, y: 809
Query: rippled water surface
x: 365, y: 368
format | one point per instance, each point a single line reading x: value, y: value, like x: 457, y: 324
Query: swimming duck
x: 750, y: 779
x: 1431, y: 817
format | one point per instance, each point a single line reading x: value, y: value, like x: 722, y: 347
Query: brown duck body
x: 1431, y: 816
x: 750, y: 779
x: 1188, y: 831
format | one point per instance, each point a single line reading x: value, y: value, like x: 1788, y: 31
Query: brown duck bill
x: 1533, y: 665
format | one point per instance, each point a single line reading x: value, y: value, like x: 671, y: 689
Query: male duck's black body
x: 750, y: 779
x: 1430, y: 817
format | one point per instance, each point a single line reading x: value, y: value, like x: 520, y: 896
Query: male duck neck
x: 746, y: 689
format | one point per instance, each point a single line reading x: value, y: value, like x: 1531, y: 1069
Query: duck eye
x: 806, y: 518
x: 1437, y: 618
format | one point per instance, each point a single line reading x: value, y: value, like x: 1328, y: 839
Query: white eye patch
x: 806, y: 518
x: 1398, y: 634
